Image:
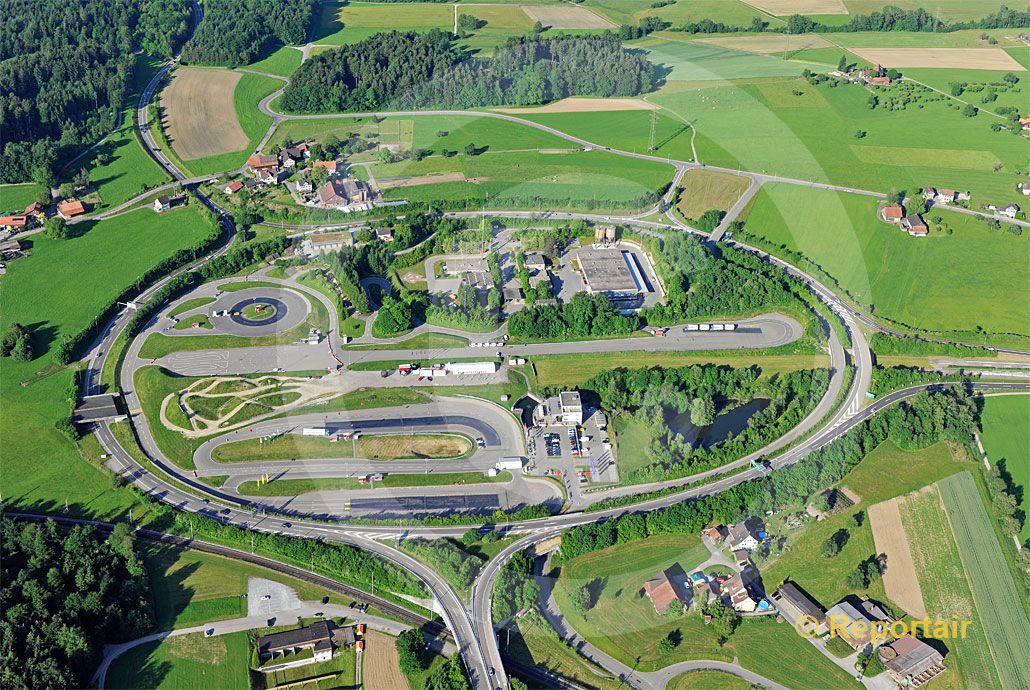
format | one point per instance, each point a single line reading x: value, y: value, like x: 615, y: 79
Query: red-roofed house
x: 69, y: 208
x: 893, y: 213
x: 662, y: 592
x: 328, y: 165
x: 36, y: 210
x: 1024, y: 122
x: 915, y: 225
x: 233, y: 187
x: 13, y: 222
x: 261, y: 162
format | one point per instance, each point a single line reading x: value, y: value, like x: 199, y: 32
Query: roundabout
x: 258, y: 311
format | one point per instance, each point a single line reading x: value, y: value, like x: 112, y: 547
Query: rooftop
x: 609, y: 270
x: 95, y: 408
x: 289, y: 639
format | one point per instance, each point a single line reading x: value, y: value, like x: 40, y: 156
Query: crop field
x: 694, y: 61
x: 824, y: 578
x: 787, y: 7
x: 185, y: 662
x: 567, y: 17
x: 626, y: 130
x: 965, y: 58
x: 531, y: 179
x: 900, y: 581
x: 972, y: 277
x: 283, y: 61
x: 954, y: 10
x: 994, y: 592
x: 1006, y: 437
x: 946, y: 588
x: 797, y: 130
x: 732, y: 12
x: 380, y: 664
x: 201, y: 120
x: 343, y: 22
x: 708, y: 189
x: 966, y: 38
x: 773, y: 43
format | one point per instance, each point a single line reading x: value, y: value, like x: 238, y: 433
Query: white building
x: 740, y: 537
x: 566, y: 409
x: 1009, y: 211
x: 511, y: 463
x: 470, y: 368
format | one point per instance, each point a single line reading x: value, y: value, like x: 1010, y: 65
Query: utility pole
x: 654, y: 124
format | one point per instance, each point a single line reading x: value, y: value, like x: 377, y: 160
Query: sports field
x: 1006, y: 438
x: 185, y: 662
x: 200, y: 118
x: 972, y: 277
x: 994, y: 592
x: 945, y: 588
x: 822, y: 577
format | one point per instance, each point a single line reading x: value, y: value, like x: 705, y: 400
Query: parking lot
x: 583, y: 454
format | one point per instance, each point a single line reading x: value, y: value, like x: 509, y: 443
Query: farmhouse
x: 946, y: 196
x: 233, y: 187
x: 13, y: 223
x: 262, y: 162
x: 69, y: 208
x: 344, y: 195
x: 915, y: 225
x: 566, y: 409
x: 162, y: 203
x: 893, y: 213
x: 1009, y: 211
x: 736, y: 590
x: 297, y: 153
x: 662, y: 591
x: 740, y: 538
x: 793, y: 604
x: 35, y: 210
x: 330, y: 166
x: 929, y: 193
x: 855, y: 624
x: 911, y: 663
x: 292, y: 648
x: 1023, y: 187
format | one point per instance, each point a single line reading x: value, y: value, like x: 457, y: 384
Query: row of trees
x: 65, y: 69
x: 65, y: 596
x: 892, y: 18
x: 585, y: 315
x: 409, y: 70
x: 951, y: 414
x: 236, y: 32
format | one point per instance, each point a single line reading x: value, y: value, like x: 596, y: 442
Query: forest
x: 236, y: 32
x: 65, y: 595
x: 947, y: 415
x: 585, y: 315
x: 409, y: 70
x: 65, y: 69
x: 703, y: 391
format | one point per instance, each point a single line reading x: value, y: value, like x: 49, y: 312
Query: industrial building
x: 564, y: 409
x: 614, y: 273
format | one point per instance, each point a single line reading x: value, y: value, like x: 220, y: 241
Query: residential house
x: 233, y: 187
x: 1024, y: 122
x: 963, y: 196
x: 854, y: 624
x: 1023, y: 187
x: 910, y: 662
x: 359, y: 193
x: 736, y: 590
x: 268, y: 175
x: 69, y: 208
x: 162, y: 203
x: 1009, y: 211
x: 742, y: 558
x: 330, y: 166
x: 915, y: 225
x: 385, y: 234
x: 536, y: 261
x: 36, y: 210
x: 297, y: 153
x: 893, y: 213
x: 740, y: 537
x: 263, y: 162
x: 331, y: 195
x: 716, y: 534
x: 929, y: 193
x: 662, y: 591
x: 793, y: 604
x: 14, y: 223
x: 946, y: 196
x: 296, y: 647
x: 304, y: 185
x: 512, y: 293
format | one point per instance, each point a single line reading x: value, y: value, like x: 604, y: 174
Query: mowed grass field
x: 948, y: 283
x: 710, y: 189
x: 627, y: 130
x: 1006, y: 438
x: 822, y: 577
x: 342, y: 23
x: 946, y: 591
x: 994, y: 592
x: 15, y: 197
x: 789, y: 128
x: 283, y: 61
x: 732, y: 12
x: 708, y: 680
x: 285, y: 447
x: 690, y: 61
x: 185, y: 662
x: 58, y: 290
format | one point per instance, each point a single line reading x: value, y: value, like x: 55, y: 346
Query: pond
x: 524, y: 408
x: 731, y: 422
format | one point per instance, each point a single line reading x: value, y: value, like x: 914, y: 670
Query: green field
x: 732, y: 12
x: 190, y: 305
x: 422, y: 341
x: 790, y: 128
x: 627, y: 130
x: 342, y: 22
x: 973, y: 277
x: 707, y: 680
x: 953, y: 10
x: 15, y: 197
x: 709, y: 189
x: 535, y: 643
x: 822, y: 577
x: 297, y: 487
x: 966, y: 38
x: 698, y: 62
x: 287, y: 446
x: 994, y: 592
x: 186, y: 662
x: 1006, y: 438
x: 48, y: 291
x: 1008, y: 95
x: 283, y: 61
x: 945, y: 588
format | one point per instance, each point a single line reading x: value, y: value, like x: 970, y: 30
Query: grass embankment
x: 422, y: 341
x: 373, y: 447
x: 536, y: 644
x: 943, y: 283
x: 1006, y: 437
x: 186, y: 661
x: 296, y: 487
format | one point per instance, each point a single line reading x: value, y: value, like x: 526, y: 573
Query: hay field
x: 567, y: 17
x: 423, y: 180
x: 773, y: 43
x: 965, y: 58
x: 708, y: 189
x: 583, y: 105
x: 782, y: 8
x: 200, y: 114
x: 381, y: 666
x: 899, y: 580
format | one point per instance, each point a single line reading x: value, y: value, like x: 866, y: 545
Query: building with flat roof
x: 458, y: 265
x: 564, y: 409
x: 612, y: 272
x: 536, y: 261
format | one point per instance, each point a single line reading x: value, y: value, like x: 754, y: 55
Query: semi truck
x: 315, y: 431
